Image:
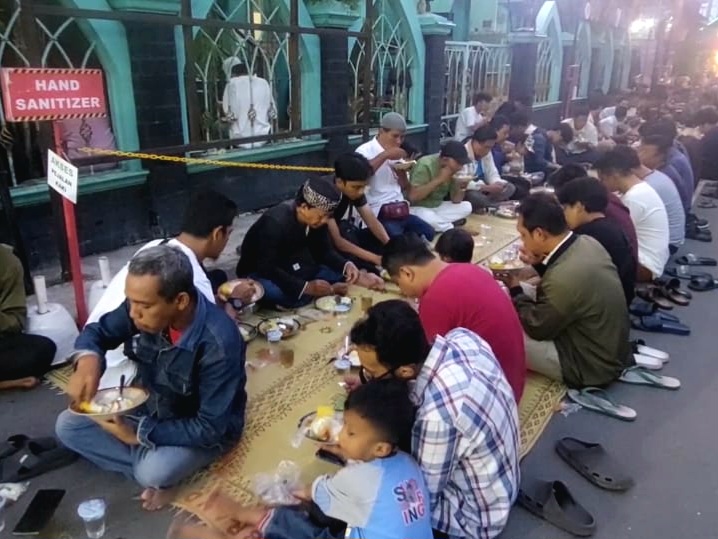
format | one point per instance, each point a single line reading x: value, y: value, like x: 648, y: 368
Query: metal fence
x: 472, y: 66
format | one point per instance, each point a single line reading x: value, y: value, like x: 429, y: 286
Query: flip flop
x: 658, y: 324
x: 653, y: 295
x: 693, y: 220
x: 707, y: 204
x: 673, y: 295
x: 695, y: 233
x: 640, y: 376
x: 40, y: 456
x: 702, y: 283
x: 598, y: 400
x: 684, y: 272
x: 674, y: 284
x: 693, y: 260
x: 553, y: 502
x: 13, y: 444
x: 592, y: 462
x: 649, y: 362
x: 640, y: 347
x: 641, y: 307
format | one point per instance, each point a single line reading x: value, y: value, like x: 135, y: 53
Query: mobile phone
x: 39, y: 512
x: 331, y: 458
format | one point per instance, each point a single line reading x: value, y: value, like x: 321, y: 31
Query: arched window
x: 583, y: 58
x: 393, y: 65
x: 549, y: 59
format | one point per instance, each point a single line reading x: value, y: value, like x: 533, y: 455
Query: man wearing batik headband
x: 289, y: 252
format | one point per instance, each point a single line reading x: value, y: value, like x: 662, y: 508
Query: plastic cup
x: 366, y: 303
x: 343, y: 366
x: 92, y: 512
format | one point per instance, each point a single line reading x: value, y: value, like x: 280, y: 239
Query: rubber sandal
x: 673, y: 295
x: 702, y: 283
x: 692, y: 260
x: 657, y: 324
x: 641, y: 307
x: 13, y: 444
x: 693, y: 220
x: 707, y: 204
x: 596, y: 399
x: 648, y: 362
x: 640, y: 347
x: 592, y: 462
x: 684, y: 272
x: 653, y: 295
x: 640, y: 376
x: 40, y: 456
x: 554, y: 503
x: 674, y: 284
x: 695, y: 233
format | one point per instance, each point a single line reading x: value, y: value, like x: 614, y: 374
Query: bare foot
x: 222, y: 504
x: 155, y: 499
x: 21, y: 383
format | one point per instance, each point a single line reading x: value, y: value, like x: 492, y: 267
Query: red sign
x: 31, y: 94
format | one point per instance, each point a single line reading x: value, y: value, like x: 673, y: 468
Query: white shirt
x: 491, y: 173
x: 667, y: 191
x: 383, y: 187
x: 651, y: 221
x: 468, y: 118
x: 549, y: 256
x: 607, y: 126
x: 114, y: 294
x: 588, y: 133
x: 248, y: 99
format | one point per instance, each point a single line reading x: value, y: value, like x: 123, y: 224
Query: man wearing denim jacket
x: 190, y: 358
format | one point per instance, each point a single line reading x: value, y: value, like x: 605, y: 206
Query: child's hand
x: 304, y: 494
x: 351, y: 382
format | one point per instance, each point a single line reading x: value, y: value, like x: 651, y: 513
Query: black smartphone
x: 39, y: 512
x: 331, y: 458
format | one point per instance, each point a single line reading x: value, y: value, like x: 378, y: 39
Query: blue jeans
x: 293, y: 523
x: 412, y: 223
x: 162, y: 467
x: 273, y: 295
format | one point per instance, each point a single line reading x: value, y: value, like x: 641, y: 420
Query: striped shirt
x: 466, y: 437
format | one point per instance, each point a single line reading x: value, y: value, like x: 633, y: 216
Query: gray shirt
x: 668, y: 193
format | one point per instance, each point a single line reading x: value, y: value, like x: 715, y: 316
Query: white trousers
x: 443, y: 216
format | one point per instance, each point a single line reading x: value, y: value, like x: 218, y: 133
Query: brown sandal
x: 653, y: 294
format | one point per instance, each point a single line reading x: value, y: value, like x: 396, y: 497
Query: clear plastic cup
x: 343, y: 366
x: 2, y: 513
x: 92, y: 512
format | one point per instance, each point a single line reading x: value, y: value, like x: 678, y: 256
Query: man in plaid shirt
x: 466, y: 434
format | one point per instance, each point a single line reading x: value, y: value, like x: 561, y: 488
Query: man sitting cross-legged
x: 289, y: 252
x: 577, y: 326
x: 432, y: 183
x: 189, y: 357
x: 379, y: 494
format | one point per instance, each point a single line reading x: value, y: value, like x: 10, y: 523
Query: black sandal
x: 592, y: 462
x: 553, y: 502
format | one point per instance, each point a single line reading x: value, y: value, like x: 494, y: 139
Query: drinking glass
x: 92, y: 512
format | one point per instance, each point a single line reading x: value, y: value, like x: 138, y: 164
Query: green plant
x: 352, y: 4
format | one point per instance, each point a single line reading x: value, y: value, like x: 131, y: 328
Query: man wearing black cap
x: 435, y: 196
x: 288, y: 250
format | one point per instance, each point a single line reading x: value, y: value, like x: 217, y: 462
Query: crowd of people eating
x: 453, y: 370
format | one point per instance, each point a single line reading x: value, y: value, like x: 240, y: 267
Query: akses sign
x: 31, y: 94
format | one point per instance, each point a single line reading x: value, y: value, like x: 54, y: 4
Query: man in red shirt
x: 459, y: 296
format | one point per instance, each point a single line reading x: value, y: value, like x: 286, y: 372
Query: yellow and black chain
x: 201, y: 161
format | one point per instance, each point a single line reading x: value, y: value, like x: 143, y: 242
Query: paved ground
x: 669, y: 450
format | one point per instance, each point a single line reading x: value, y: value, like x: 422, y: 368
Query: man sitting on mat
x: 289, y: 252
x: 617, y: 170
x: 24, y: 359
x: 576, y: 328
x: 190, y: 358
x: 466, y: 433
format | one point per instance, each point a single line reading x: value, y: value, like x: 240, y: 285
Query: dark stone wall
x: 434, y: 82
x: 523, y: 70
x: 547, y: 117
x: 335, y: 90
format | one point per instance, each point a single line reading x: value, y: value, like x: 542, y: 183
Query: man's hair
x: 170, y: 265
x: 497, y: 122
x: 484, y: 134
x: 565, y: 131
x: 621, y: 160
x: 664, y: 127
x: 565, y: 174
x: 456, y: 244
x: 706, y: 115
x: 542, y: 210
x: 206, y: 211
x: 519, y: 118
x: 238, y: 70
x: 393, y: 329
x: 588, y: 191
x: 482, y: 96
x: 621, y: 112
x: 405, y: 250
x: 661, y: 142
x: 353, y: 167
x: 372, y: 400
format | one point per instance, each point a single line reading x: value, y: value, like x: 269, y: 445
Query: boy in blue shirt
x: 380, y: 493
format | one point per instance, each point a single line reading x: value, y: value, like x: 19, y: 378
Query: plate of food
x: 404, y: 164
x: 499, y: 264
x: 286, y: 325
x: 225, y: 290
x: 247, y: 331
x: 334, y: 304
x: 111, y: 402
x: 324, y: 429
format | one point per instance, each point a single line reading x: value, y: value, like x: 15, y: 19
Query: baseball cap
x: 456, y: 150
x: 393, y: 121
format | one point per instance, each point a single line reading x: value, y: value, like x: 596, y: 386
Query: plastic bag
x: 277, y: 488
x: 13, y: 491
